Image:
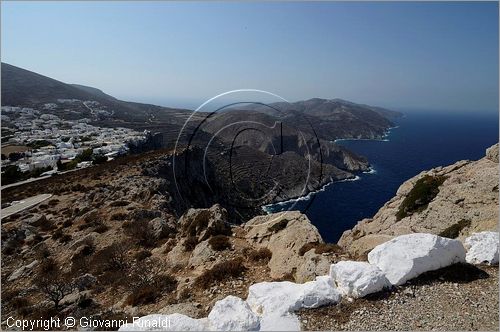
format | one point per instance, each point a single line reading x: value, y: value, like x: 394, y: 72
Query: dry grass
x: 220, y: 272
x: 219, y: 242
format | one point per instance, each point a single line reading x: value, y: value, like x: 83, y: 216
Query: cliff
x: 451, y: 201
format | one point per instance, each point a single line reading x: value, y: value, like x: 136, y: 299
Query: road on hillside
x: 24, y: 204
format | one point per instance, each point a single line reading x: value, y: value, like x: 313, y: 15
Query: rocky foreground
x: 272, y: 306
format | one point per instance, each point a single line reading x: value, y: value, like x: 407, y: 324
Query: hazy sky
x: 420, y: 55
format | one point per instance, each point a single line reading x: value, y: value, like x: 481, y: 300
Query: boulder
x: 313, y: 265
x: 173, y: 322
x: 232, y: 314
x: 144, y: 214
x: 202, y: 254
x: 482, y: 248
x: 407, y: 256
x: 160, y: 227
x: 203, y: 223
x: 22, y: 271
x: 36, y: 220
x: 75, y: 297
x: 284, y: 234
x: 357, y: 279
x: 85, y: 281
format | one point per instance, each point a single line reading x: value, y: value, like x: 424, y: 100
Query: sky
x: 441, y: 56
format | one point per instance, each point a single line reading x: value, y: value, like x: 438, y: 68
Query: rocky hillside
x: 451, y: 201
x: 113, y: 220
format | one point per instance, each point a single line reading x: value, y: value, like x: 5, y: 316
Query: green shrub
x: 424, y: 191
x: 454, y: 230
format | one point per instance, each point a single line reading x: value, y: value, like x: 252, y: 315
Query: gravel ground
x: 458, y: 298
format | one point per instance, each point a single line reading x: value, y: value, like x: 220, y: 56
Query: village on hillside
x: 36, y: 143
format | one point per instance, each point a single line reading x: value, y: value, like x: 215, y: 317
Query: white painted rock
x: 318, y: 293
x: 275, y: 322
x: 282, y: 297
x: 357, y: 279
x: 232, y: 314
x: 482, y: 248
x: 278, y: 298
x: 407, y: 256
x: 173, y: 322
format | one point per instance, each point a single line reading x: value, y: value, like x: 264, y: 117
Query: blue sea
x: 421, y: 140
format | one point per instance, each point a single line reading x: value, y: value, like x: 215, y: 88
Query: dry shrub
x: 220, y: 272
x: 320, y: 248
x: 67, y: 223
x: 219, y: 242
x: 119, y: 203
x: 111, y: 258
x: 142, y: 255
x: 66, y: 238
x: 55, y: 287
x: 47, y: 225
x: 147, y: 283
x: 100, y: 227
x: 263, y: 254
x: 141, y: 231
x: 57, y: 234
x: 119, y: 216
x: 190, y: 243
x: 53, y: 202
x: 280, y: 225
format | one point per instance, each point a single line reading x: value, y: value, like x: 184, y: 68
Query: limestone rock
x: 492, y: 153
x: 85, y: 281
x: 160, y: 227
x: 232, y: 314
x: 22, y: 271
x: 312, y: 265
x: 202, y: 254
x: 358, y: 279
x: 407, y: 256
x: 283, y: 234
x: 36, y: 220
x: 203, y: 223
x: 482, y: 248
